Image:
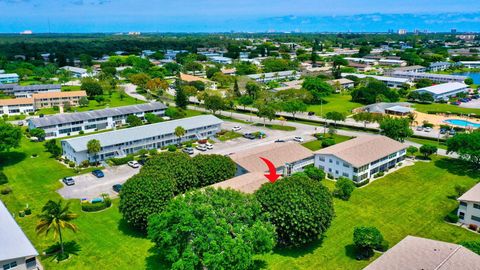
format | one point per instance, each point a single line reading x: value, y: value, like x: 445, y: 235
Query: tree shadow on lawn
x: 70, y: 248
x: 125, y: 228
x: 296, y: 252
x: 458, y: 167
x: 11, y: 158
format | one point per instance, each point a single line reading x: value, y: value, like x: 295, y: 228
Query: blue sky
x: 246, y: 15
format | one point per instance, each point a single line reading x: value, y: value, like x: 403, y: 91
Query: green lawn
x: 317, y: 144
x: 442, y: 108
x: 440, y: 145
x: 276, y: 127
x: 336, y: 102
x: 411, y: 201
x: 229, y: 135
x: 104, y: 240
x: 110, y: 102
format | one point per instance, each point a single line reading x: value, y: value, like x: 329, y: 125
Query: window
x: 475, y: 218
x: 330, y: 160
x: 10, y: 265
x: 345, y: 174
x: 476, y: 206
x: 320, y: 158
x: 463, y: 203
x: 346, y: 165
x: 336, y: 172
x: 338, y: 163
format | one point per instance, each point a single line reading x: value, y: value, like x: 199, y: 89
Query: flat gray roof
x: 83, y: 116
x: 13, y: 242
x: 444, y: 88
x: 380, y: 78
x: 400, y: 109
x: 138, y: 133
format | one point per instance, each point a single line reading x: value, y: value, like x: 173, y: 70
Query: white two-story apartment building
x: 469, y: 209
x: 360, y: 158
x: 127, y: 141
x: 67, y: 124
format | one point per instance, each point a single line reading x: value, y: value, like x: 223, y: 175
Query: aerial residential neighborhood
x: 250, y: 135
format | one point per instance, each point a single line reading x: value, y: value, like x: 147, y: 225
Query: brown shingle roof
x: 420, y: 253
x: 247, y: 183
x: 472, y: 195
x: 191, y: 78
x: 277, y: 153
x: 363, y: 150
x: 60, y: 94
x: 16, y: 101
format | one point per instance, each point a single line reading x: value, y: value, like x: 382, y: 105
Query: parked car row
x: 426, y: 129
x: 450, y: 132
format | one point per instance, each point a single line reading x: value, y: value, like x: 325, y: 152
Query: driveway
x: 88, y: 186
x: 131, y: 90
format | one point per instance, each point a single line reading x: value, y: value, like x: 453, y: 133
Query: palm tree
x: 56, y: 217
x: 94, y: 147
x: 179, y: 132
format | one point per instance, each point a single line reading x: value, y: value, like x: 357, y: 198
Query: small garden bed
x: 97, y: 204
x: 226, y: 135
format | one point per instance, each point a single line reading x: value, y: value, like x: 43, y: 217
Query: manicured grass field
x: 317, y: 144
x: 440, y: 145
x: 110, y: 102
x: 336, y: 102
x: 104, y: 240
x: 276, y: 127
x: 229, y: 135
x: 443, y: 108
x: 411, y: 201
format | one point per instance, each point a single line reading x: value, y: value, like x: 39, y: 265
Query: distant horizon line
x: 126, y: 33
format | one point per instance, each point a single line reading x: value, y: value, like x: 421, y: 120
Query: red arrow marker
x: 272, y: 176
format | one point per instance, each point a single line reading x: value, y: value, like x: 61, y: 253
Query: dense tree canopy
x: 300, y: 208
x: 10, y: 136
x: 396, y: 128
x: 213, y: 168
x: 467, y: 146
x: 211, y: 229
x: 372, y: 91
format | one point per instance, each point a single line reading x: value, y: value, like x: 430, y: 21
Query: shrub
x: 452, y: 218
x: 473, y: 227
x: 460, y: 189
x: 95, y: 207
x: 172, y: 148
x: 314, y: 173
x: 71, y: 164
x: 21, y: 213
x: 121, y: 161
x: 153, y: 152
x: 214, y: 223
x: 85, y: 164
x: 81, y: 132
x: 367, y: 238
x: 3, y: 178
x: 212, y: 169
x: 379, y: 174
x: 299, y: 208
x: 178, y: 166
x: 28, y: 211
x: 6, y: 191
x: 361, y: 184
x: 344, y: 188
x: 143, y: 195
x: 328, y: 142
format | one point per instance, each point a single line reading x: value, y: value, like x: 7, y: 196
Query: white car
x: 133, y: 164
x: 298, y: 139
x: 201, y: 147
x: 236, y: 128
x: 209, y: 146
x: 427, y: 129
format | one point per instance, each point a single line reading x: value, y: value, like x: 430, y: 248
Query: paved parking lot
x: 88, y: 186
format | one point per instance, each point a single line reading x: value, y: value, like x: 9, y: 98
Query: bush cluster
x: 95, y: 207
x: 166, y: 175
x: 452, y: 218
x: 3, y: 178
x: 121, y: 161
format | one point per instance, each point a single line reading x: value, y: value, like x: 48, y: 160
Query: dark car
x: 443, y: 131
x: 311, y: 113
x: 117, y: 188
x: 249, y: 136
x: 279, y: 140
x: 98, y: 173
x: 68, y: 181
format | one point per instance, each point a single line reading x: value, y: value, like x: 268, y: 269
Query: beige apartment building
x: 48, y: 100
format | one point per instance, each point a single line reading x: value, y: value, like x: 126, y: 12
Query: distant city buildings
x: 402, y: 31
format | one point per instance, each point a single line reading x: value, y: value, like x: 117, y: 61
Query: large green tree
x: 300, y: 208
x: 211, y: 229
x: 143, y: 195
x: 212, y: 169
x: 92, y: 87
x: 294, y: 106
x: 10, y: 136
x: 54, y: 218
x: 214, y: 103
x: 94, y: 147
x: 396, y: 128
x: 467, y: 146
x: 371, y: 91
